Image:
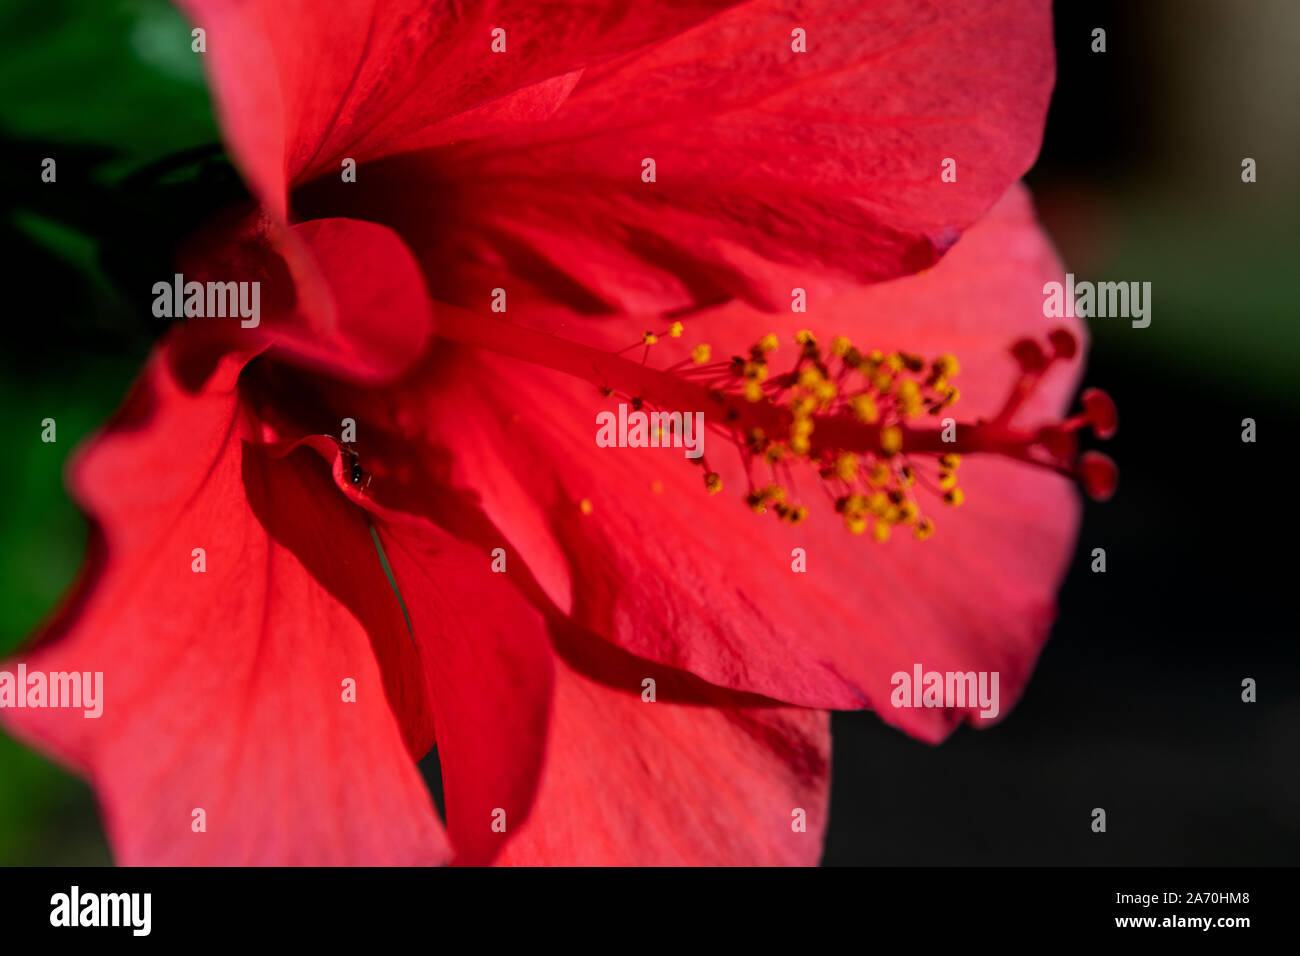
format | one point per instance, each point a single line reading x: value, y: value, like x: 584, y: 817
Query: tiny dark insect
x: 356, y: 476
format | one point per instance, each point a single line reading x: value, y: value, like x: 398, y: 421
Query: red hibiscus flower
x: 614, y: 664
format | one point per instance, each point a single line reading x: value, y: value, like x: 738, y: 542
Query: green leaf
x: 112, y: 72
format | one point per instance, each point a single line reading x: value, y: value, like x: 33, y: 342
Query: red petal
x: 490, y: 673
x: 323, y: 283
x: 298, y: 89
x: 671, y: 782
x: 774, y: 169
x: 481, y: 650
x: 223, y: 690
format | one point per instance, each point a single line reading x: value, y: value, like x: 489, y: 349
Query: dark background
x: 1136, y: 704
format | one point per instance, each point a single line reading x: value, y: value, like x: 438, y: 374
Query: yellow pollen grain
x: 891, y: 440
x: 768, y: 343
x: 700, y: 354
x: 752, y: 391
x: 924, y: 528
x: 712, y: 482
x: 954, y: 497
x: 804, y: 337
x: 880, y: 531
x: 840, y: 346
x: 864, y: 408
x: 675, y: 330
x: 649, y: 338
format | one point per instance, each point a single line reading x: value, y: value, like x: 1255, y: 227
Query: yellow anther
x: 946, y: 366
x: 880, y: 531
x: 753, y: 391
x: 675, y: 330
x: 864, y: 407
x: 908, y: 512
x: 767, y: 343
x: 799, y: 444
x: 950, y: 461
x: 951, y: 396
x: 826, y: 391
x: 880, y: 473
x: 909, y: 397
x: 947, y: 480
x: 906, y: 476
x: 712, y: 482
x: 803, y: 406
x: 924, y: 528
x: 700, y: 354
x: 796, y: 514
x: 846, y: 466
x: 804, y: 337
x: 810, y: 378
x: 754, y: 370
x: 855, y: 523
x: 895, y: 361
x: 954, y: 497
x: 585, y: 506
x: 881, y: 381
x: 801, y: 426
x: 840, y: 346
x: 649, y: 338
x: 891, y: 440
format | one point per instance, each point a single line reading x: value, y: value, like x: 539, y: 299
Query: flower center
x: 877, y: 428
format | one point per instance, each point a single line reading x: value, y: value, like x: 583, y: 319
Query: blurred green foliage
x: 1224, y: 292
x: 112, y: 72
